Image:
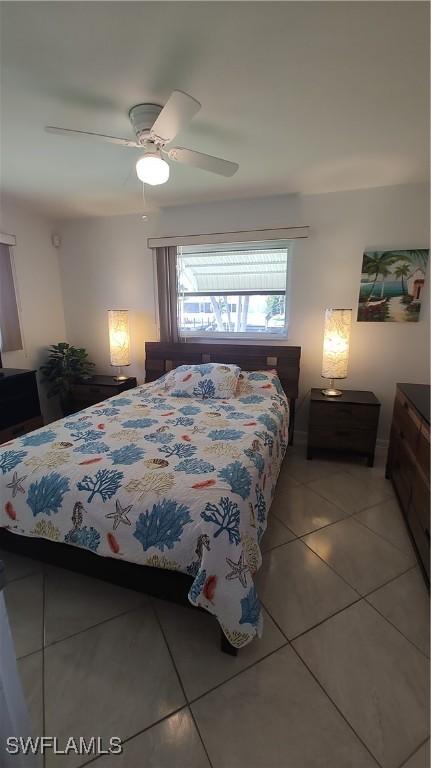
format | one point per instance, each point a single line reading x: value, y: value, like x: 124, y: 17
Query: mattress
x: 178, y: 483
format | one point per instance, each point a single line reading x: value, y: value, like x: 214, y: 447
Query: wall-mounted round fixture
x: 152, y: 169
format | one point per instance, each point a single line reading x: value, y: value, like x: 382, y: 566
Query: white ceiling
x: 307, y: 97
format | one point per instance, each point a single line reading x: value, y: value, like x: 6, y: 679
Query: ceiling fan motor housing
x: 143, y: 117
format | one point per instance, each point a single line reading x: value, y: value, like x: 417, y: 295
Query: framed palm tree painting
x: 392, y: 285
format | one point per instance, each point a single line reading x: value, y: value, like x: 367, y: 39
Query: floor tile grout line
x: 327, y: 618
x: 21, y: 578
x: 279, y: 520
x: 403, y: 764
x: 156, y: 615
x: 338, y: 506
x: 93, y: 626
x: 331, y: 567
x: 355, y: 602
x: 192, y: 715
x: 352, y: 517
x: 320, y: 495
x: 376, y: 589
x: 340, y: 712
x: 389, y: 581
x: 398, y: 629
x: 346, y: 516
x: 138, y: 733
x: 377, y: 533
x: 162, y: 631
x: 410, y: 567
x: 286, y: 644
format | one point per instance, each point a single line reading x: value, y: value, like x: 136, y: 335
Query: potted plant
x: 65, y: 365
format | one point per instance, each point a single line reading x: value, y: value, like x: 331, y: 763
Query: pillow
x: 259, y: 382
x: 204, y: 382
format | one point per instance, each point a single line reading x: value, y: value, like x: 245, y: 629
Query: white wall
x: 39, y: 293
x: 105, y: 263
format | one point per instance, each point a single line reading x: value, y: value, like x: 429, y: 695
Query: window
x: 10, y: 333
x: 238, y: 289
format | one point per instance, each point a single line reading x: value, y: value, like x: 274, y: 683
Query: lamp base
x: 120, y: 376
x: 331, y: 392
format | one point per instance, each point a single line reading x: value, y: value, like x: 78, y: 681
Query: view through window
x: 233, y: 289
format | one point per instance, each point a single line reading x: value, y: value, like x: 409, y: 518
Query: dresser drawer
x: 402, y: 468
x: 423, y: 448
x: 344, y: 415
x: 406, y: 421
x: 420, y: 498
x: 421, y: 538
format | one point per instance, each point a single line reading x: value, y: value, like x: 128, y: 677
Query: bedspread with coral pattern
x: 165, y: 481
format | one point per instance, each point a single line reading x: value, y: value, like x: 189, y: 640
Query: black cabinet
x: 19, y: 403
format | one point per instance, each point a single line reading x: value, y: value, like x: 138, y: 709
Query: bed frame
x: 163, y: 584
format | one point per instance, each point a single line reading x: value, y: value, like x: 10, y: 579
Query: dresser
x: 19, y: 403
x: 408, y: 464
x: 96, y: 389
x: 344, y: 424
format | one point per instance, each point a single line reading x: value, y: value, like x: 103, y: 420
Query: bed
x: 173, y: 492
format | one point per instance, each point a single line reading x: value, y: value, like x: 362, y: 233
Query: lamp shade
x: 336, y: 340
x: 119, y: 337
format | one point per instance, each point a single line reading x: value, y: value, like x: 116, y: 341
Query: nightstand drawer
x: 342, y: 438
x: 344, y: 415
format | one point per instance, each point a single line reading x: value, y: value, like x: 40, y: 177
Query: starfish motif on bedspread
x: 15, y: 484
x: 239, y: 570
x: 120, y: 514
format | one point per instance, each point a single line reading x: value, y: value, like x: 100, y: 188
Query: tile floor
x: 338, y: 680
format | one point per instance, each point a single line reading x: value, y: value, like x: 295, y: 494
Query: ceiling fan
x: 155, y: 128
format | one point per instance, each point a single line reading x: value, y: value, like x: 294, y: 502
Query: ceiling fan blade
x: 99, y: 136
x: 177, y: 113
x: 200, y: 160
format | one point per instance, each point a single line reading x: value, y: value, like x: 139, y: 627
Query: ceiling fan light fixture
x: 152, y: 169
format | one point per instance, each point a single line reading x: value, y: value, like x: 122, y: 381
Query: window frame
x: 239, y: 335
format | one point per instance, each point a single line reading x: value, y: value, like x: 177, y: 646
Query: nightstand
x: 92, y: 391
x: 345, y: 424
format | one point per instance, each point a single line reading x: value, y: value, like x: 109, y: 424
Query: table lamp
x: 119, y: 340
x: 338, y: 323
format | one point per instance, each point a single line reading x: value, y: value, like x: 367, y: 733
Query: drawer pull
x: 427, y: 533
x: 346, y: 410
x: 402, y: 435
x: 342, y: 433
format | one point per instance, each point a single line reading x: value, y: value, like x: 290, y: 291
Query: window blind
x: 10, y: 332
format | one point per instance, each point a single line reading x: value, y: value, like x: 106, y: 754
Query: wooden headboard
x: 162, y: 357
